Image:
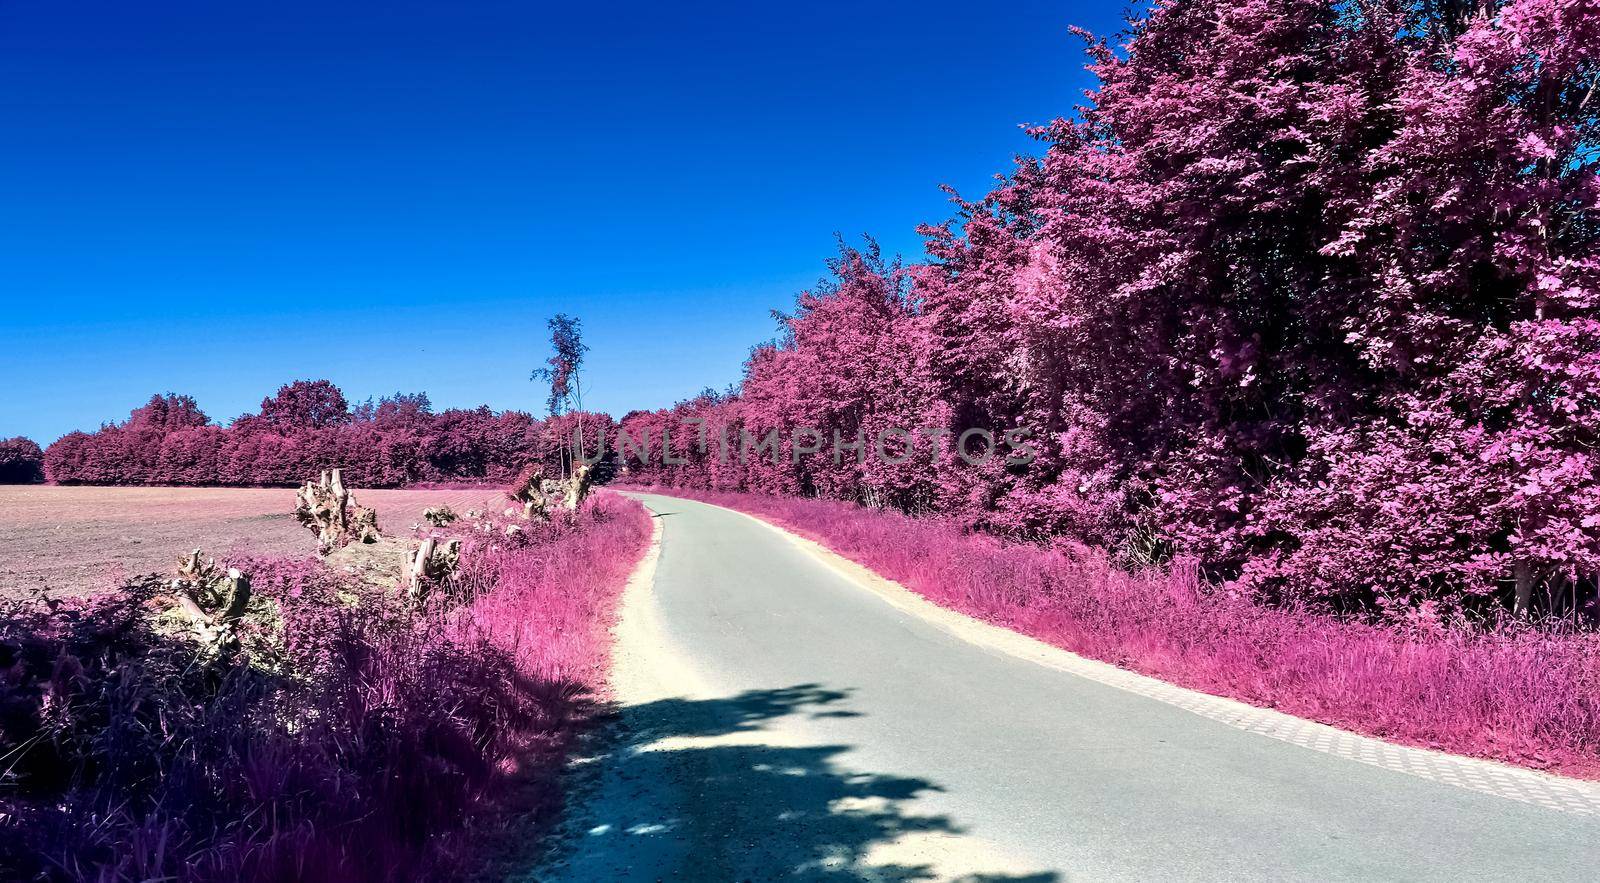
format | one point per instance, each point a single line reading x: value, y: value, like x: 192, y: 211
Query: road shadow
x: 704, y: 790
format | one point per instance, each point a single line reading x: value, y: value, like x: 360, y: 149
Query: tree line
x: 1307, y: 291
x: 308, y: 426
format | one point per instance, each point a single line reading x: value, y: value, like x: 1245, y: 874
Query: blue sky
x: 216, y: 198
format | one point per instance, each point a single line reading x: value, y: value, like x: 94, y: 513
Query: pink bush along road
x: 1310, y: 293
x: 1521, y: 696
x: 307, y: 426
x: 348, y: 739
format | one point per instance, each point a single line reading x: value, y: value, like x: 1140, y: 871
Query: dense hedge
x: 306, y: 427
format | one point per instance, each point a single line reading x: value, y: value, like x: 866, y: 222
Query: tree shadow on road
x: 703, y: 790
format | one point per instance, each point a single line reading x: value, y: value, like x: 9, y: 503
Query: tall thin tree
x: 561, y: 371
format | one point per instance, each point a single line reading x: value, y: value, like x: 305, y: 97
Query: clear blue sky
x: 214, y: 198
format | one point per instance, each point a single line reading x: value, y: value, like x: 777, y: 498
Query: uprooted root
x: 432, y: 564
x: 328, y: 509
x: 209, y: 600
x: 538, y: 495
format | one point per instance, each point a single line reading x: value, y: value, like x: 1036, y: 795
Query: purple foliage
x: 1307, y: 291
x: 349, y: 739
x: 21, y: 461
x: 307, y: 427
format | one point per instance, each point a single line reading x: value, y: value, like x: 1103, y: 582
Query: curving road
x: 780, y: 720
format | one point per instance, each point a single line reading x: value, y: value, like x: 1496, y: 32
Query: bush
x: 21, y: 461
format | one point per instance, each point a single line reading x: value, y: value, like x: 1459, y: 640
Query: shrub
x: 21, y: 461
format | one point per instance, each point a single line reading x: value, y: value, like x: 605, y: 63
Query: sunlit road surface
x: 781, y: 721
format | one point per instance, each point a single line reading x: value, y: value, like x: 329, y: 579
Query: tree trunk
x: 341, y: 499
x: 1522, y: 573
x: 578, y: 485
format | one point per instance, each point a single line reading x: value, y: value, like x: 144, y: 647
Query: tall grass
x: 1519, y: 695
x: 350, y: 739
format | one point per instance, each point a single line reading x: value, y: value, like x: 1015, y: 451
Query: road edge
x: 1547, y: 790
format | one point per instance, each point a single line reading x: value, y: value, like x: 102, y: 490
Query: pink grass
x: 550, y: 606
x: 353, y: 740
x: 1524, y: 697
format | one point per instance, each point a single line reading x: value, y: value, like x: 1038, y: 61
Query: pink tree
x: 168, y: 413
x: 303, y: 404
x: 1307, y: 290
x: 21, y: 461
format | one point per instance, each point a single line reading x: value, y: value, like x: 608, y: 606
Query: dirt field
x: 78, y: 539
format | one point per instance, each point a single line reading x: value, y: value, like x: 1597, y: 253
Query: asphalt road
x: 782, y: 722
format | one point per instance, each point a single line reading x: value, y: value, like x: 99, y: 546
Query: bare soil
x: 87, y: 539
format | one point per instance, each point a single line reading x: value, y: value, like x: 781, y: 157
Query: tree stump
x: 578, y: 486
x: 432, y: 563
x: 364, y: 524
x: 529, y: 492
x: 327, y: 508
x: 211, y: 601
x: 538, y: 495
x: 439, y: 516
